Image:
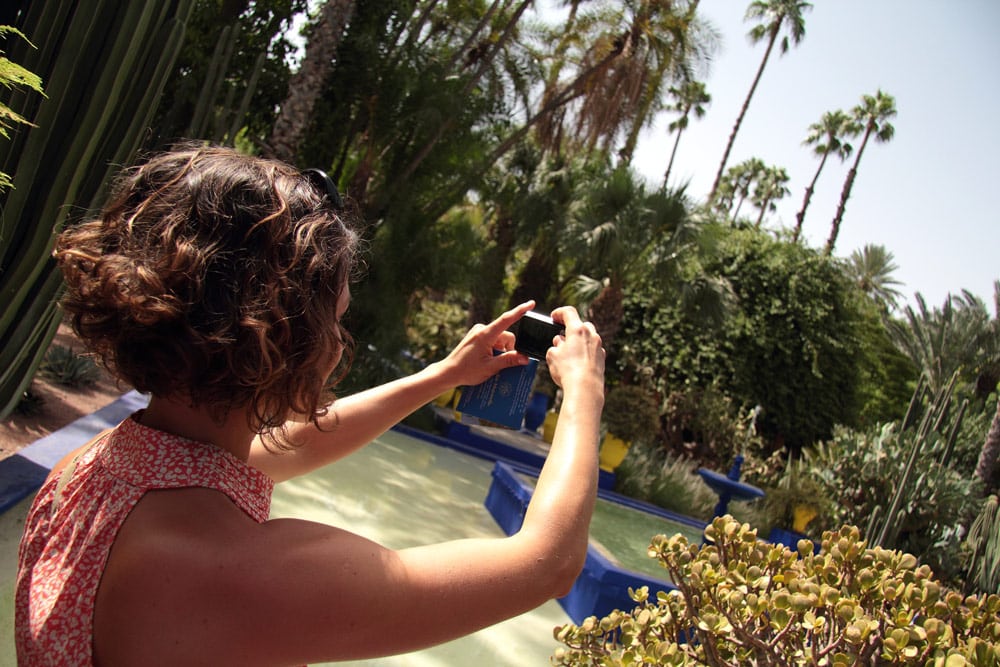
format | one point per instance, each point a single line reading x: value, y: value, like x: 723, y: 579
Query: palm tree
x: 539, y: 209
x: 871, y: 270
x: 483, y: 64
x: 619, y: 233
x: 873, y: 115
x: 691, y: 97
x: 987, y: 367
x: 308, y: 82
x: 771, y: 186
x: 626, y: 54
x: 736, y: 186
x: 826, y: 136
x: 942, y: 341
x: 774, y: 15
x: 680, y: 46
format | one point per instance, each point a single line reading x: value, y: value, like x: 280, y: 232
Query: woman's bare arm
x: 356, y: 420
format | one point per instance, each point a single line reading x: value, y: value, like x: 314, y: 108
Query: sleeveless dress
x: 75, y: 518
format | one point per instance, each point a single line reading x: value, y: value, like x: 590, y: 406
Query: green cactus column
x: 104, y: 65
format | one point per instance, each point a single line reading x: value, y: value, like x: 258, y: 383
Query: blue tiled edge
x: 602, y: 586
x: 22, y: 473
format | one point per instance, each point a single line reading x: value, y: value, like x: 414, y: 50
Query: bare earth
x: 61, y: 405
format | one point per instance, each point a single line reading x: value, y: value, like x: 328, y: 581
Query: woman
x: 215, y: 282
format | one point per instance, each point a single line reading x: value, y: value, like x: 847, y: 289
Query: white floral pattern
x: 66, y: 543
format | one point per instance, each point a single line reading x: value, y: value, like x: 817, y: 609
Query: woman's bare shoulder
x: 192, y: 577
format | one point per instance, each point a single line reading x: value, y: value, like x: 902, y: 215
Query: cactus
x: 885, y: 530
x: 104, y: 65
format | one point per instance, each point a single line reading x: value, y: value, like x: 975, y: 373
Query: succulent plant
x: 743, y: 601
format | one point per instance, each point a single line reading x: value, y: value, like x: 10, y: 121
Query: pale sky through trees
x: 930, y: 195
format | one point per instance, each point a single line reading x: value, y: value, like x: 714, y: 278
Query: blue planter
x: 601, y: 587
x: 790, y: 538
x: 534, y: 414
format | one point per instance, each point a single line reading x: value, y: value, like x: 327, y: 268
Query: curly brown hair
x: 213, y: 277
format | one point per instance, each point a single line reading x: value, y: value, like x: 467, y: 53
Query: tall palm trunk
x: 801, y: 215
x: 988, y: 466
x: 845, y: 193
x: 763, y: 210
x: 488, y: 286
x: 606, y: 312
x: 746, y: 105
x: 673, y: 153
x: 537, y: 279
x: 739, y: 205
x: 639, y: 122
x: 307, y: 83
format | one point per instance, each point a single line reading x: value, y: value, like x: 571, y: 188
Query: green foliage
x: 260, y: 27
x: 959, y: 336
x: 382, y: 136
x: 743, y: 601
x: 664, y: 479
x: 434, y: 328
x: 796, y: 487
x: 705, y: 422
x: 631, y: 413
x: 863, y: 472
x: 68, y: 368
x: 982, y: 549
x: 887, y: 377
x: 791, y: 344
x: 13, y: 75
x: 972, y: 434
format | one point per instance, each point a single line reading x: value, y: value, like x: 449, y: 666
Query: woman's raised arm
x: 356, y: 420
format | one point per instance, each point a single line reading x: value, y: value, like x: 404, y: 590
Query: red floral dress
x: 73, y: 523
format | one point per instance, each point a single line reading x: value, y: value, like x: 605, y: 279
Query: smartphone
x: 533, y: 334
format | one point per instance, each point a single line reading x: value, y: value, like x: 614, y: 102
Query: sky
x: 930, y: 195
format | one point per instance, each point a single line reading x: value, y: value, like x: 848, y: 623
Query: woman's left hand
x: 473, y: 360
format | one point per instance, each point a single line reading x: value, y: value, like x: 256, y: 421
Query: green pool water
x: 625, y: 533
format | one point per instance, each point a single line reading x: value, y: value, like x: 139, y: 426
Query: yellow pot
x: 446, y: 399
x: 613, y: 451
x: 801, y: 516
x: 549, y: 425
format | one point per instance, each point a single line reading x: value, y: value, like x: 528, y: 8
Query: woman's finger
x: 494, y: 329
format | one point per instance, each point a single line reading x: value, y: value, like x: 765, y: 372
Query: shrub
x: 434, y: 328
x: 741, y: 601
x: 706, y: 420
x: 793, y: 344
x: 68, y: 368
x: 861, y: 472
x: 982, y: 549
x: 665, y: 480
x: 797, y: 487
x: 631, y: 413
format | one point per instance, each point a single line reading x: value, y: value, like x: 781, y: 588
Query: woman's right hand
x: 576, y: 360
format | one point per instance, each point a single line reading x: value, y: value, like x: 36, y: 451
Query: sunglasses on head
x: 321, y: 180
